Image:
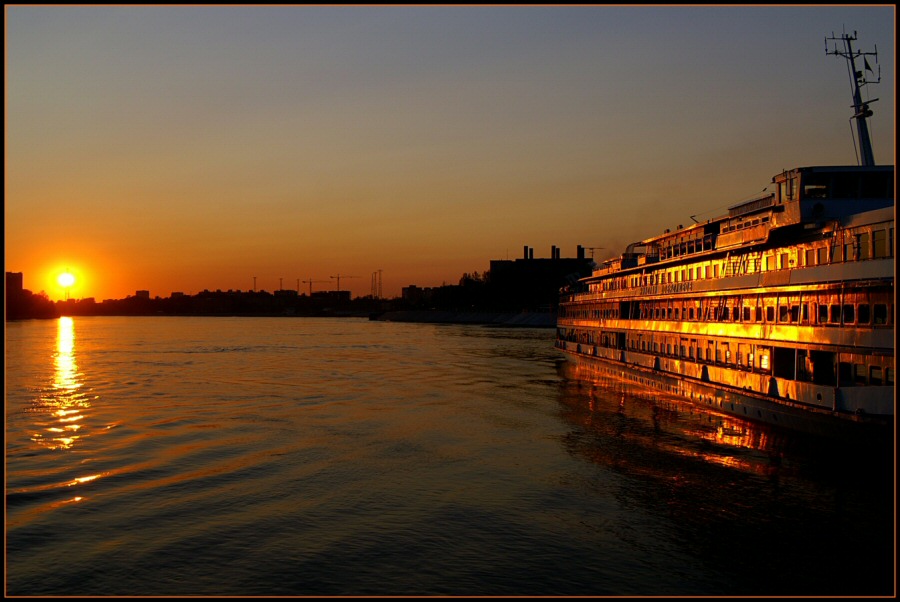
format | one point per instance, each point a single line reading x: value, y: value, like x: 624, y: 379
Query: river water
x: 314, y: 456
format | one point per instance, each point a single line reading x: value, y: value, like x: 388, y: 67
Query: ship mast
x: 861, y: 110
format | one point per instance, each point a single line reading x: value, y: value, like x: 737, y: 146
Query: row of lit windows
x: 822, y: 309
x: 801, y: 364
x: 688, y: 247
x: 846, y: 247
x: 859, y: 247
x: 740, y: 225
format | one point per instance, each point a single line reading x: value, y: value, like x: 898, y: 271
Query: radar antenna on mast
x: 858, y: 80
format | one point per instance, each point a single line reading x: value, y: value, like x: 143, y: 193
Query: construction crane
x: 339, y: 280
x: 310, y: 283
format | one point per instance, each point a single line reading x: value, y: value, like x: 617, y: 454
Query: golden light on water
x: 63, y: 400
x: 66, y: 376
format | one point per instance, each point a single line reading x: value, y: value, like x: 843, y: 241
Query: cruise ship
x: 779, y: 311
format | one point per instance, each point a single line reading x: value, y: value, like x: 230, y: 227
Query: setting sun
x: 65, y: 280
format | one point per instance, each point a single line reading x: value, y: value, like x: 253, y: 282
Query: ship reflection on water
x: 668, y: 424
x: 767, y: 510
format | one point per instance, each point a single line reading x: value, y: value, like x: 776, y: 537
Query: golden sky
x: 189, y: 148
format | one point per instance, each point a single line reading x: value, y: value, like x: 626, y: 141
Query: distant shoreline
x: 482, y: 318
x: 520, y: 319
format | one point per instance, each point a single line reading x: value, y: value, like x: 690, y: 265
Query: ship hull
x: 745, y: 404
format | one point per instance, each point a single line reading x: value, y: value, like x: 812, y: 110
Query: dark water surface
x: 292, y: 456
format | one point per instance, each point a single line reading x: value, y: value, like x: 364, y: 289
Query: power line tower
x: 376, y: 285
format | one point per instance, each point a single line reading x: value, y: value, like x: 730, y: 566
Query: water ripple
x: 190, y: 456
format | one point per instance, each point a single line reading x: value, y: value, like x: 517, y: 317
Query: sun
x: 65, y: 280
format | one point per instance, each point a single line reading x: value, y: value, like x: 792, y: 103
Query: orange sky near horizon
x: 189, y: 148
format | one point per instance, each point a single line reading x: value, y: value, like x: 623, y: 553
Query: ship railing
x: 752, y: 205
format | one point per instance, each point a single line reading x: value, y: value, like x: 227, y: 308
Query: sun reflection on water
x: 63, y: 399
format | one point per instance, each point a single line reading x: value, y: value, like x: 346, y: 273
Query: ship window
x: 759, y: 314
x: 809, y: 257
x: 889, y: 377
x: 782, y: 261
x: 784, y: 362
x: 783, y: 313
x: 735, y: 314
x: 846, y: 186
x: 875, y: 375
x: 859, y: 374
x: 880, y: 313
x: 879, y: 243
x: 849, y: 318
x: 746, y: 314
x: 878, y: 185
x: 845, y: 374
x: 835, y: 252
x: 822, y: 255
x: 823, y: 313
x: 764, y: 359
x: 795, y: 313
x: 804, y: 366
x: 668, y: 349
x: 848, y: 252
x: 805, y: 316
x: 863, y: 244
x: 815, y: 191
x: 835, y: 314
x: 770, y: 314
x: 862, y: 313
